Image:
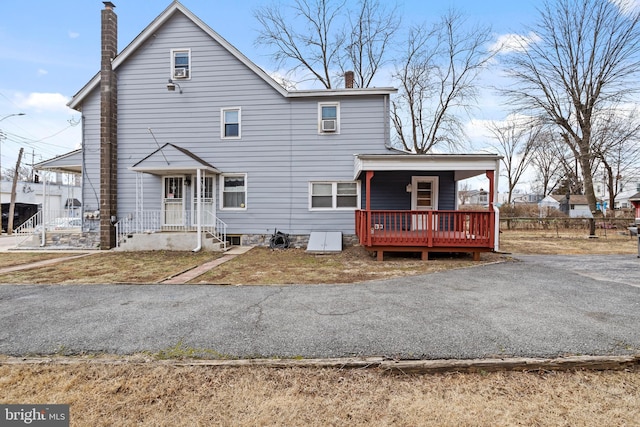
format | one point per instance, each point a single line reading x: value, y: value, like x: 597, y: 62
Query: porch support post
x: 491, y: 176
x: 199, y: 209
x: 494, y: 218
x: 45, y: 207
x: 368, y: 206
x: 368, y: 194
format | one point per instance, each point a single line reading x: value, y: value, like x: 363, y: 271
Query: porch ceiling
x: 464, y: 165
x: 171, y: 159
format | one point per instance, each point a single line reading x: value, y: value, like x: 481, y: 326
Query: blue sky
x: 50, y: 48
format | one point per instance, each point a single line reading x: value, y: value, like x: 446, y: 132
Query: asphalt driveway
x: 539, y: 306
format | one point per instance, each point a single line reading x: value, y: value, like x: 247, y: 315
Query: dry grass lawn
x: 161, y: 393
x: 169, y: 395
x: 107, y: 267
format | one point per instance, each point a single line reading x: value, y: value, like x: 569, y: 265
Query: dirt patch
x: 158, y: 394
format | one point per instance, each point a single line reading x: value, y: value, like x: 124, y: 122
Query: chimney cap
x: 108, y: 5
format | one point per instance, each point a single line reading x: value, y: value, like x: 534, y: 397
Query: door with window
x: 173, y: 200
x: 424, y: 197
x: 207, y: 201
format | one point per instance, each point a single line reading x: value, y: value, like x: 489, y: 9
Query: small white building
x: 578, y: 205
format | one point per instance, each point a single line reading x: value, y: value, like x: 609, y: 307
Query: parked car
x: 61, y: 224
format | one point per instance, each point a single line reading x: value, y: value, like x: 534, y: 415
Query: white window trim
x: 173, y: 64
x: 334, y: 196
x: 435, y: 185
x: 328, y: 104
x: 222, y: 122
x: 246, y: 191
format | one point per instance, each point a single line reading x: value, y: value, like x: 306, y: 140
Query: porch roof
x: 171, y: 159
x: 464, y: 165
x: 70, y: 162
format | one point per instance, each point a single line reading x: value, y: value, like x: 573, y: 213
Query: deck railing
x: 459, y: 229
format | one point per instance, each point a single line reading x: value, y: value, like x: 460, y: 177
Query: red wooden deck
x: 426, y: 231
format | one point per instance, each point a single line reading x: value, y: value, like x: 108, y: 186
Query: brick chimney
x: 348, y: 79
x: 108, y: 127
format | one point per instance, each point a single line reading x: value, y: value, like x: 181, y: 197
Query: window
x: 334, y: 195
x: 328, y: 117
x: 180, y: 63
x: 234, y: 191
x: 230, y: 127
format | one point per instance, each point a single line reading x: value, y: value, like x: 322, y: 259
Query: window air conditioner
x: 181, y: 73
x: 329, y: 126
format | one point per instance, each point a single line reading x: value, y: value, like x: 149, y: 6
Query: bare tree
x: 516, y: 142
x: 546, y: 163
x: 436, y: 76
x: 617, y: 148
x: 372, y: 29
x: 324, y: 38
x: 585, y: 56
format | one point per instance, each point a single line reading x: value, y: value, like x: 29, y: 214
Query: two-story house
x: 184, y: 135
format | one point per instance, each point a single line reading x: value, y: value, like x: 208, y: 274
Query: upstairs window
x: 181, y: 64
x: 230, y: 126
x: 328, y: 117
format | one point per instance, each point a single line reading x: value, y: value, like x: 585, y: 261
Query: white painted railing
x: 168, y: 221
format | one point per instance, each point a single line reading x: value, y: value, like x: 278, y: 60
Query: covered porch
x: 183, y: 197
x: 411, y: 204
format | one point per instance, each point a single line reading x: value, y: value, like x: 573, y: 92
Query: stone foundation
x: 64, y: 240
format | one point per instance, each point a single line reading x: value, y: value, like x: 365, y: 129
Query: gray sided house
x: 183, y: 133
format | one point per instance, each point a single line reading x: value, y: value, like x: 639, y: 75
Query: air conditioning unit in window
x: 181, y: 73
x: 329, y: 126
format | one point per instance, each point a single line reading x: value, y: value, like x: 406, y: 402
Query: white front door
x: 424, y: 197
x: 207, y: 201
x: 173, y: 200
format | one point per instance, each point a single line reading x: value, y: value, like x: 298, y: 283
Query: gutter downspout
x: 199, y: 211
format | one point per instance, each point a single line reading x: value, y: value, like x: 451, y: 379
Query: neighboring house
x: 56, y: 198
x: 474, y: 197
x: 622, y: 200
x: 183, y: 133
x: 635, y: 202
x: 578, y: 205
x: 518, y: 198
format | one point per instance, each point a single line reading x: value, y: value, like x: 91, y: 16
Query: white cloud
x: 507, y: 43
x: 53, y: 102
x: 628, y: 6
x: 42, y: 72
x: 73, y: 35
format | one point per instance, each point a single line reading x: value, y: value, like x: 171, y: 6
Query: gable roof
x: 177, y: 7
x: 172, y: 159
x: 575, y: 199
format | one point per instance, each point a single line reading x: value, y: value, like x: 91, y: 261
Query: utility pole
x: 12, y: 205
